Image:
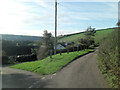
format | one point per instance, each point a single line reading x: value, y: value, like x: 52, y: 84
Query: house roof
x: 59, y: 46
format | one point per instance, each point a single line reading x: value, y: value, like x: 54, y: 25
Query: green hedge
x: 5, y: 60
x: 108, y: 58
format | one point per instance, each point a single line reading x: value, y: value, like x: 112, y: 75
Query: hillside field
x: 99, y: 35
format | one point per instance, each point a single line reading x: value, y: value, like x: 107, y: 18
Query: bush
x: 5, y: 60
x: 42, y: 53
x: 91, y: 47
x: 26, y: 58
x: 108, y: 58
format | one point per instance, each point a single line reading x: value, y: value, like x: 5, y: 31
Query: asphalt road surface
x: 81, y: 73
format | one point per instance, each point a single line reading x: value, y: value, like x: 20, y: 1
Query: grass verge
x: 46, y: 66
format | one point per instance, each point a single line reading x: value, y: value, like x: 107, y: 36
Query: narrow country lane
x: 81, y: 73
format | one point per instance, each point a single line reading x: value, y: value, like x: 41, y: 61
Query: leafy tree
x: 90, y: 33
x: 5, y: 58
x: 3, y: 53
x: 47, y: 45
x: 48, y: 40
x: 33, y: 51
x: 118, y: 23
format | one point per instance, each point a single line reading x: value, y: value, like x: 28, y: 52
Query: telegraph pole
x: 55, y: 26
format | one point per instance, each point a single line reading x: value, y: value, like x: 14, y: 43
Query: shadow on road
x: 22, y: 81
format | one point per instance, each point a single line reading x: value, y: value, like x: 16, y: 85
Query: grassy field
x: 46, y: 66
x: 99, y: 35
x: 74, y: 38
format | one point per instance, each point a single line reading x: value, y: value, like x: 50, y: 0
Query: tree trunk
x: 50, y: 55
x: 60, y: 52
x: 67, y: 51
x: 78, y: 48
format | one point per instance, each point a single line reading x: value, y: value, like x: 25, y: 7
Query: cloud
x: 75, y: 0
x: 31, y: 17
x: 15, y: 15
x: 42, y: 3
x: 12, y: 15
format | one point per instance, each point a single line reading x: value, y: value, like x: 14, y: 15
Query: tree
x: 47, y: 46
x: 33, y: 51
x: 5, y: 58
x: 48, y: 39
x: 73, y: 45
x: 118, y: 23
x: 90, y: 33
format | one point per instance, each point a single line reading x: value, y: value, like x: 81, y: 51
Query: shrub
x: 5, y: 60
x: 42, y: 53
x: 108, y: 58
x: 91, y: 47
x: 26, y: 58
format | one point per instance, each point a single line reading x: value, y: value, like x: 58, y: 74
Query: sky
x: 32, y: 17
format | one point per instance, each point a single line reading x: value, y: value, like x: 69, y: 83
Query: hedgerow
x: 108, y: 58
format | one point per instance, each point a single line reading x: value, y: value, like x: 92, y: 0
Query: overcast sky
x: 32, y: 17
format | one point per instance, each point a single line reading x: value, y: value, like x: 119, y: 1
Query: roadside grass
x: 108, y: 58
x: 46, y: 66
x: 99, y: 35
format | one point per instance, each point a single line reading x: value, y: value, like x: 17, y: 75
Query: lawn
x: 46, y: 66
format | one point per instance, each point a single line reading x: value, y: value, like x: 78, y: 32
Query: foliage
x: 46, y: 46
x: 91, y: 47
x: 42, y: 53
x: 18, y: 50
x: 3, y: 53
x: 48, y: 40
x: 10, y: 48
x: 20, y: 38
x: 5, y: 58
x: 86, y: 42
x: 45, y: 66
x: 90, y: 32
x: 34, y: 51
x: 26, y: 58
x: 118, y: 23
x: 108, y: 58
